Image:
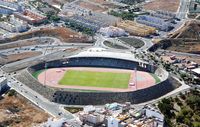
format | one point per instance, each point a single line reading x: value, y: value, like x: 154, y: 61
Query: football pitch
x: 95, y: 79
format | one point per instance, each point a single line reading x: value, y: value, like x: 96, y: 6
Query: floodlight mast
x: 45, y: 64
x: 135, y: 71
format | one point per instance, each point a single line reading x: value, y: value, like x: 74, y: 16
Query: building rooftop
x: 196, y: 70
x: 102, y: 52
x: 2, y: 78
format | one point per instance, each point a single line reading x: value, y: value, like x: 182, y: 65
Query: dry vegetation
x: 16, y: 111
x: 185, y: 46
x: 191, y: 29
x: 19, y: 56
x: 91, y: 6
x: 57, y: 2
x: 166, y: 5
x: 64, y: 34
x: 105, y: 3
x: 21, y: 44
x: 186, y: 39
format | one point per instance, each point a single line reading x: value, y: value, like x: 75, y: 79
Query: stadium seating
x: 80, y: 97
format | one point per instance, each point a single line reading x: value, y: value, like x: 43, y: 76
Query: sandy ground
x: 16, y: 111
x: 62, y: 33
x: 21, y: 44
x: 91, y: 6
x: 165, y: 5
x: 54, y: 75
x: 19, y: 56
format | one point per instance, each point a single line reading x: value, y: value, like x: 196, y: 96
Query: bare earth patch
x: 91, y: 6
x: 165, y: 5
x: 16, y: 111
x: 62, y: 33
x: 20, y: 56
x: 21, y: 43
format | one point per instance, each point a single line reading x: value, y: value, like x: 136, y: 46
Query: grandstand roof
x: 197, y: 70
x: 101, y: 52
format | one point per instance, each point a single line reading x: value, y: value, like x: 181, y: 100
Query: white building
x: 89, y: 108
x: 95, y: 118
x: 14, y: 25
x: 154, y: 113
x: 196, y: 71
x: 112, y: 31
x: 113, y: 122
x: 9, y: 7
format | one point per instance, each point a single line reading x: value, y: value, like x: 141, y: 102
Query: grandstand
x: 31, y: 82
x: 85, y: 97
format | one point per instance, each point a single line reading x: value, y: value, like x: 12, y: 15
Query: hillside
x: 191, y: 29
x: 186, y: 39
x: 62, y: 33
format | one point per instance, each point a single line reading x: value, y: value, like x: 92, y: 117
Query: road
x: 173, y: 93
x: 50, y: 107
x: 100, y: 39
x: 53, y: 108
x: 167, y: 52
x: 183, y: 9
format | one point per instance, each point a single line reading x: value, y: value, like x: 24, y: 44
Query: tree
x: 166, y: 107
x: 182, y: 96
x: 49, y: 14
x: 193, y: 101
x: 179, y: 118
x: 12, y: 92
x: 54, y: 18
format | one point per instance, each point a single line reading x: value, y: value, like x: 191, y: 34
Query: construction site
x: 136, y: 29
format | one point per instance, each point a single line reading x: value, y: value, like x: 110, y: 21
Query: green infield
x: 37, y: 73
x: 95, y: 79
x: 157, y: 79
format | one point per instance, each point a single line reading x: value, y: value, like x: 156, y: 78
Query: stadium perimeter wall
x: 78, y: 97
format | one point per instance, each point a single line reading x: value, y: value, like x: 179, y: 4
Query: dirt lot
x: 22, y: 43
x: 98, y: 1
x: 64, y: 34
x: 104, y: 3
x: 185, y: 46
x: 16, y: 111
x: 179, y: 45
x: 57, y: 2
x: 91, y: 6
x: 20, y: 56
x: 165, y: 5
x: 187, y: 38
